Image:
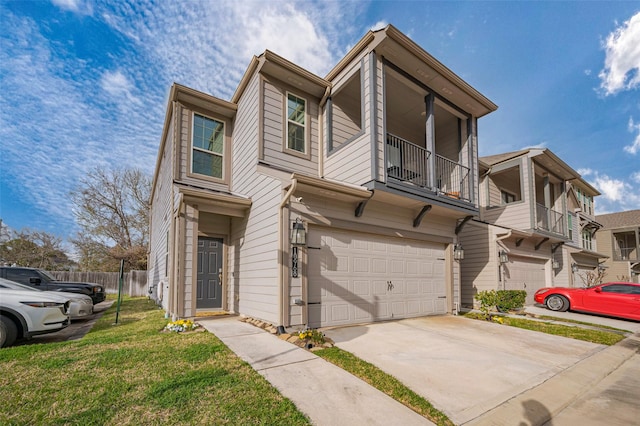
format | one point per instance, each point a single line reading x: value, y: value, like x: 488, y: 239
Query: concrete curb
x: 540, y: 404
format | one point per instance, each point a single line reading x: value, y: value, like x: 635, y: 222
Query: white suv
x: 24, y: 314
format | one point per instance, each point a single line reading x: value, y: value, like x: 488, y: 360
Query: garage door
x: 524, y: 273
x: 356, y: 277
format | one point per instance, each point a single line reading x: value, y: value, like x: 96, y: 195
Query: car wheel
x: 8, y: 332
x: 555, y: 302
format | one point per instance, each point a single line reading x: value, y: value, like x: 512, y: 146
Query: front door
x: 209, y: 291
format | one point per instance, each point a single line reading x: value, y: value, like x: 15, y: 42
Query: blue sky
x: 84, y: 83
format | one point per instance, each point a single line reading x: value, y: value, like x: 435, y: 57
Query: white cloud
x: 616, y: 194
x: 622, y: 63
x: 75, y: 6
x: 635, y: 145
x: 585, y: 172
x: 116, y: 84
x: 65, y: 115
x: 379, y: 25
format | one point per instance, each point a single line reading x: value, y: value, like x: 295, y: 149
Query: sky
x: 84, y: 83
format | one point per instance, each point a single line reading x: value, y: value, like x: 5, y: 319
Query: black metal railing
x: 452, y: 179
x: 407, y: 161
x: 549, y: 220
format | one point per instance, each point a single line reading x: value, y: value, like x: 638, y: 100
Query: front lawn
x: 134, y: 374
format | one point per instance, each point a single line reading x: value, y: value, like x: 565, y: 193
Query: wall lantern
x: 298, y: 234
x: 574, y: 268
x: 298, y: 238
x: 458, y: 252
x: 504, y: 257
x: 555, y: 264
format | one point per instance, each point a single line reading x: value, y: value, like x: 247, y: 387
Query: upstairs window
x: 296, y: 124
x: 508, y: 197
x: 207, y: 146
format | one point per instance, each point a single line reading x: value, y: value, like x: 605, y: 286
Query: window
x: 208, y: 146
x: 621, y: 288
x: 570, y: 225
x: 587, y: 240
x: 507, y: 197
x: 296, y: 124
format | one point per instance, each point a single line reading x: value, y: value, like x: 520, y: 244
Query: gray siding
x: 514, y: 215
x: 274, y: 120
x: 479, y: 269
x: 161, y: 218
x: 253, y: 286
x: 352, y: 162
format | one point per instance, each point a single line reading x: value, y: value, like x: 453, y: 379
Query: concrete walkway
x: 327, y: 394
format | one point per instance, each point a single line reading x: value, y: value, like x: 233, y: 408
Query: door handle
x: 220, y: 276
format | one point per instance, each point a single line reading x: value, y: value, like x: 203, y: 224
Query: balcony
x: 412, y: 164
x: 549, y: 220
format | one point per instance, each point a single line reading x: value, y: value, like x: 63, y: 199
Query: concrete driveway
x: 464, y: 367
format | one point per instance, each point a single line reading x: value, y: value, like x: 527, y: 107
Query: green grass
x: 575, y: 332
x: 571, y: 321
x: 384, y: 382
x: 132, y: 373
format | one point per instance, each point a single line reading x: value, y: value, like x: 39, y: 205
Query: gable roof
x: 619, y: 220
x: 544, y: 157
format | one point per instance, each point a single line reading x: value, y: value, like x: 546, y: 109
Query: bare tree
x: 111, y: 209
x: 591, y: 278
x: 33, y: 248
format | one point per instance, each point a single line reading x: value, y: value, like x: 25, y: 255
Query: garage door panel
x: 525, y: 273
x: 362, y: 288
x: 380, y: 288
x: 356, y: 270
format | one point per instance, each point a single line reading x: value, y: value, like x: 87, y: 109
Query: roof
x: 620, y: 219
x: 543, y: 156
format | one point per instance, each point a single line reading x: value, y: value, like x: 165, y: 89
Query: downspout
x: 282, y: 244
x: 504, y: 237
x: 176, y: 258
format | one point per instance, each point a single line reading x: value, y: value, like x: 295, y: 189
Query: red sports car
x: 616, y: 299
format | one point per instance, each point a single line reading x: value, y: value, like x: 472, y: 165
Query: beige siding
x: 253, y: 286
x: 161, y: 217
x: 479, y: 269
x: 352, y: 162
x: 514, y: 215
x: 190, y: 268
x: 274, y: 120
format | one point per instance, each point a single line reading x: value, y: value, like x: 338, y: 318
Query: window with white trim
x: 296, y: 124
x: 207, y: 152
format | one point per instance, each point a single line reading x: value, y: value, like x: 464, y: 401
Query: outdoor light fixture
x: 298, y: 234
x: 504, y: 257
x: 555, y: 264
x: 298, y: 238
x: 574, y: 267
x: 458, y: 252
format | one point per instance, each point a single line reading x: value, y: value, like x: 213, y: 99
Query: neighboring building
x: 619, y: 238
x: 376, y: 162
x: 529, y: 232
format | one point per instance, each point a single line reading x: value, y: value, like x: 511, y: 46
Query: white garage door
x: 355, y: 278
x: 525, y: 273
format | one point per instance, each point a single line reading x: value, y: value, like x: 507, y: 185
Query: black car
x: 40, y: 279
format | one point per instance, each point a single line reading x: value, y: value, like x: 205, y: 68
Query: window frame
x: 192, y: 147
x: 285, y: 140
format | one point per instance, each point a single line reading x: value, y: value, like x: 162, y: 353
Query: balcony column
x: 547, y: 200
x: 430, y: 142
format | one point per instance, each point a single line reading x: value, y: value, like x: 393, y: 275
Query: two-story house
x: 619, y: 238
x: 318, y: 201
x: 528, y: 233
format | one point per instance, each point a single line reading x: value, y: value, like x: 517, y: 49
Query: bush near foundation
x: 501, y: 300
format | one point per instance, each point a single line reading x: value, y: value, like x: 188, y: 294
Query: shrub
x: 508, y: 300
x: 488, y: 299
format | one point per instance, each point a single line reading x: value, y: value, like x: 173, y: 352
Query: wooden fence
x: 134, y: 283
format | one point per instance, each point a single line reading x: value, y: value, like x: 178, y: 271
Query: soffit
x: 292, y: 74
x: 215, y: 202
x: 412, y: 59
x: 202, y: 100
